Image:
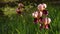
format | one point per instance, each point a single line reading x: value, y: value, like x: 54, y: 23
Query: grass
x: 11, y: 23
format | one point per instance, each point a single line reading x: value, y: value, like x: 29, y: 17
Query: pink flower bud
x: 40, y: 7
x: 41, y: 13
x: 49, y: 20
x: 20, y: 5
x: 45, y: 6
x: 33, y: 14
x: 17, y: 9
x: 36, y: 14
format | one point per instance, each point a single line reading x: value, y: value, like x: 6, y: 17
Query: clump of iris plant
x: 20, y: 8
x: 41, y: 16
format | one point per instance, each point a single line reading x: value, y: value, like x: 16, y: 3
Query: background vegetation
x: 11, y: 23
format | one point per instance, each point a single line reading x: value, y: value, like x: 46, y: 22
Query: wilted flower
x: 47, y: 26
x: 35, y: 20
x: 41, y: 26
x: 45, y: 12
